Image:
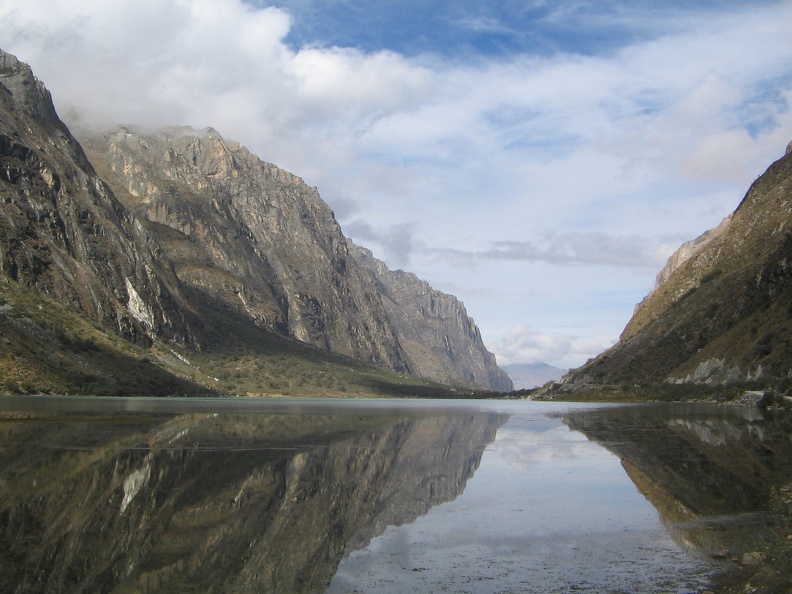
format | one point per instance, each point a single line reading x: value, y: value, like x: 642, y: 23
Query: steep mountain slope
x: 721, y: 312
x: 200, y: 269
x: 442, y: 342
x: 249, y: 235
x: 64, y: 233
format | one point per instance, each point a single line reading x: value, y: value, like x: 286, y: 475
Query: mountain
x: 226, y: 273
x: 533, y: 375
x: 249, y: 235
x: 63, y: 231
x: 441, y: 341
x: 720, y: 314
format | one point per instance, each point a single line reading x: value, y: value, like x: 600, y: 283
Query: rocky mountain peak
x: 63, y: 231
x: 28, y: 93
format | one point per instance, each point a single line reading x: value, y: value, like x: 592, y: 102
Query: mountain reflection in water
x: 708, y: 470
x: 152, y: 501
x: 246, y: 495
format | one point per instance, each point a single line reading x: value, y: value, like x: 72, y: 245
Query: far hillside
x: 719, y: 321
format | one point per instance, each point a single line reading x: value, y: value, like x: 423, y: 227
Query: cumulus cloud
x: 524, y: 344
x: 222, y: 63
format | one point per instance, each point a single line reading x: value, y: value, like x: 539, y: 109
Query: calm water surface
x: 244, y: 495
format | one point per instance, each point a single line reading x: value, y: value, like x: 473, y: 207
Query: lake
x: 287, y: 495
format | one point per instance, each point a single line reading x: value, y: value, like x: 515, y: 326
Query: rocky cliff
x: 63, y: 232
x: 720, y: 314
x: 249, y: 235
x: 441, y: 341
x: 181, y: 239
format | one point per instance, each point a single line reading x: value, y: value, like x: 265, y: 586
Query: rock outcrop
x: 685, y: 252
x: 442, y: 342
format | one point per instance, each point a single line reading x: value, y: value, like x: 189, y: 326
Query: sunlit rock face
x: 227, y: 503
x: 250, y: 235
x: 699, y: 472
x: 171, y: 234
x: 63, y: 232
x: 442, y: 342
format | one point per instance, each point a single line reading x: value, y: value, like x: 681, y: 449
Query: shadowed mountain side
x: 228, y: 503
x: 441, y: 341
x: 47, y: 348
x: 63, y: 232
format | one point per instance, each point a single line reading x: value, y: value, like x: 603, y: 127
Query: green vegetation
x: 47, y: 349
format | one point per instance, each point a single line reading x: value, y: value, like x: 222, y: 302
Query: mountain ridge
x: 182, y: 240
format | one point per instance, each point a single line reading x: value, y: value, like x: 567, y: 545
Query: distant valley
x: 533, y: 375
x: 174, y: 261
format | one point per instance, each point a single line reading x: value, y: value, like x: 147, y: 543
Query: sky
x: 539, y: 159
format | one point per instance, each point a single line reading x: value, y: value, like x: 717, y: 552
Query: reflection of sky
x: 540, y: 477
x: 546, y: 510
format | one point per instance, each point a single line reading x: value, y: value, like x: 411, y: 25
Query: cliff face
x: 442, y: 342
x: 249, y: 235
x: 64, y: 233
x: 720, y: 313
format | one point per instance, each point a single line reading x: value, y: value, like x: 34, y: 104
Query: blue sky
x: 473, y: 29
x: 538, y: 159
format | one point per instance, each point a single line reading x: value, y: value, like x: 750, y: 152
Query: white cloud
x: 523, y: 344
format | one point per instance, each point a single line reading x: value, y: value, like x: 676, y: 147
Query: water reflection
x: 151, y: 501
x: 709, y: 471
x: 162, y: 495
x: 547, y: 511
